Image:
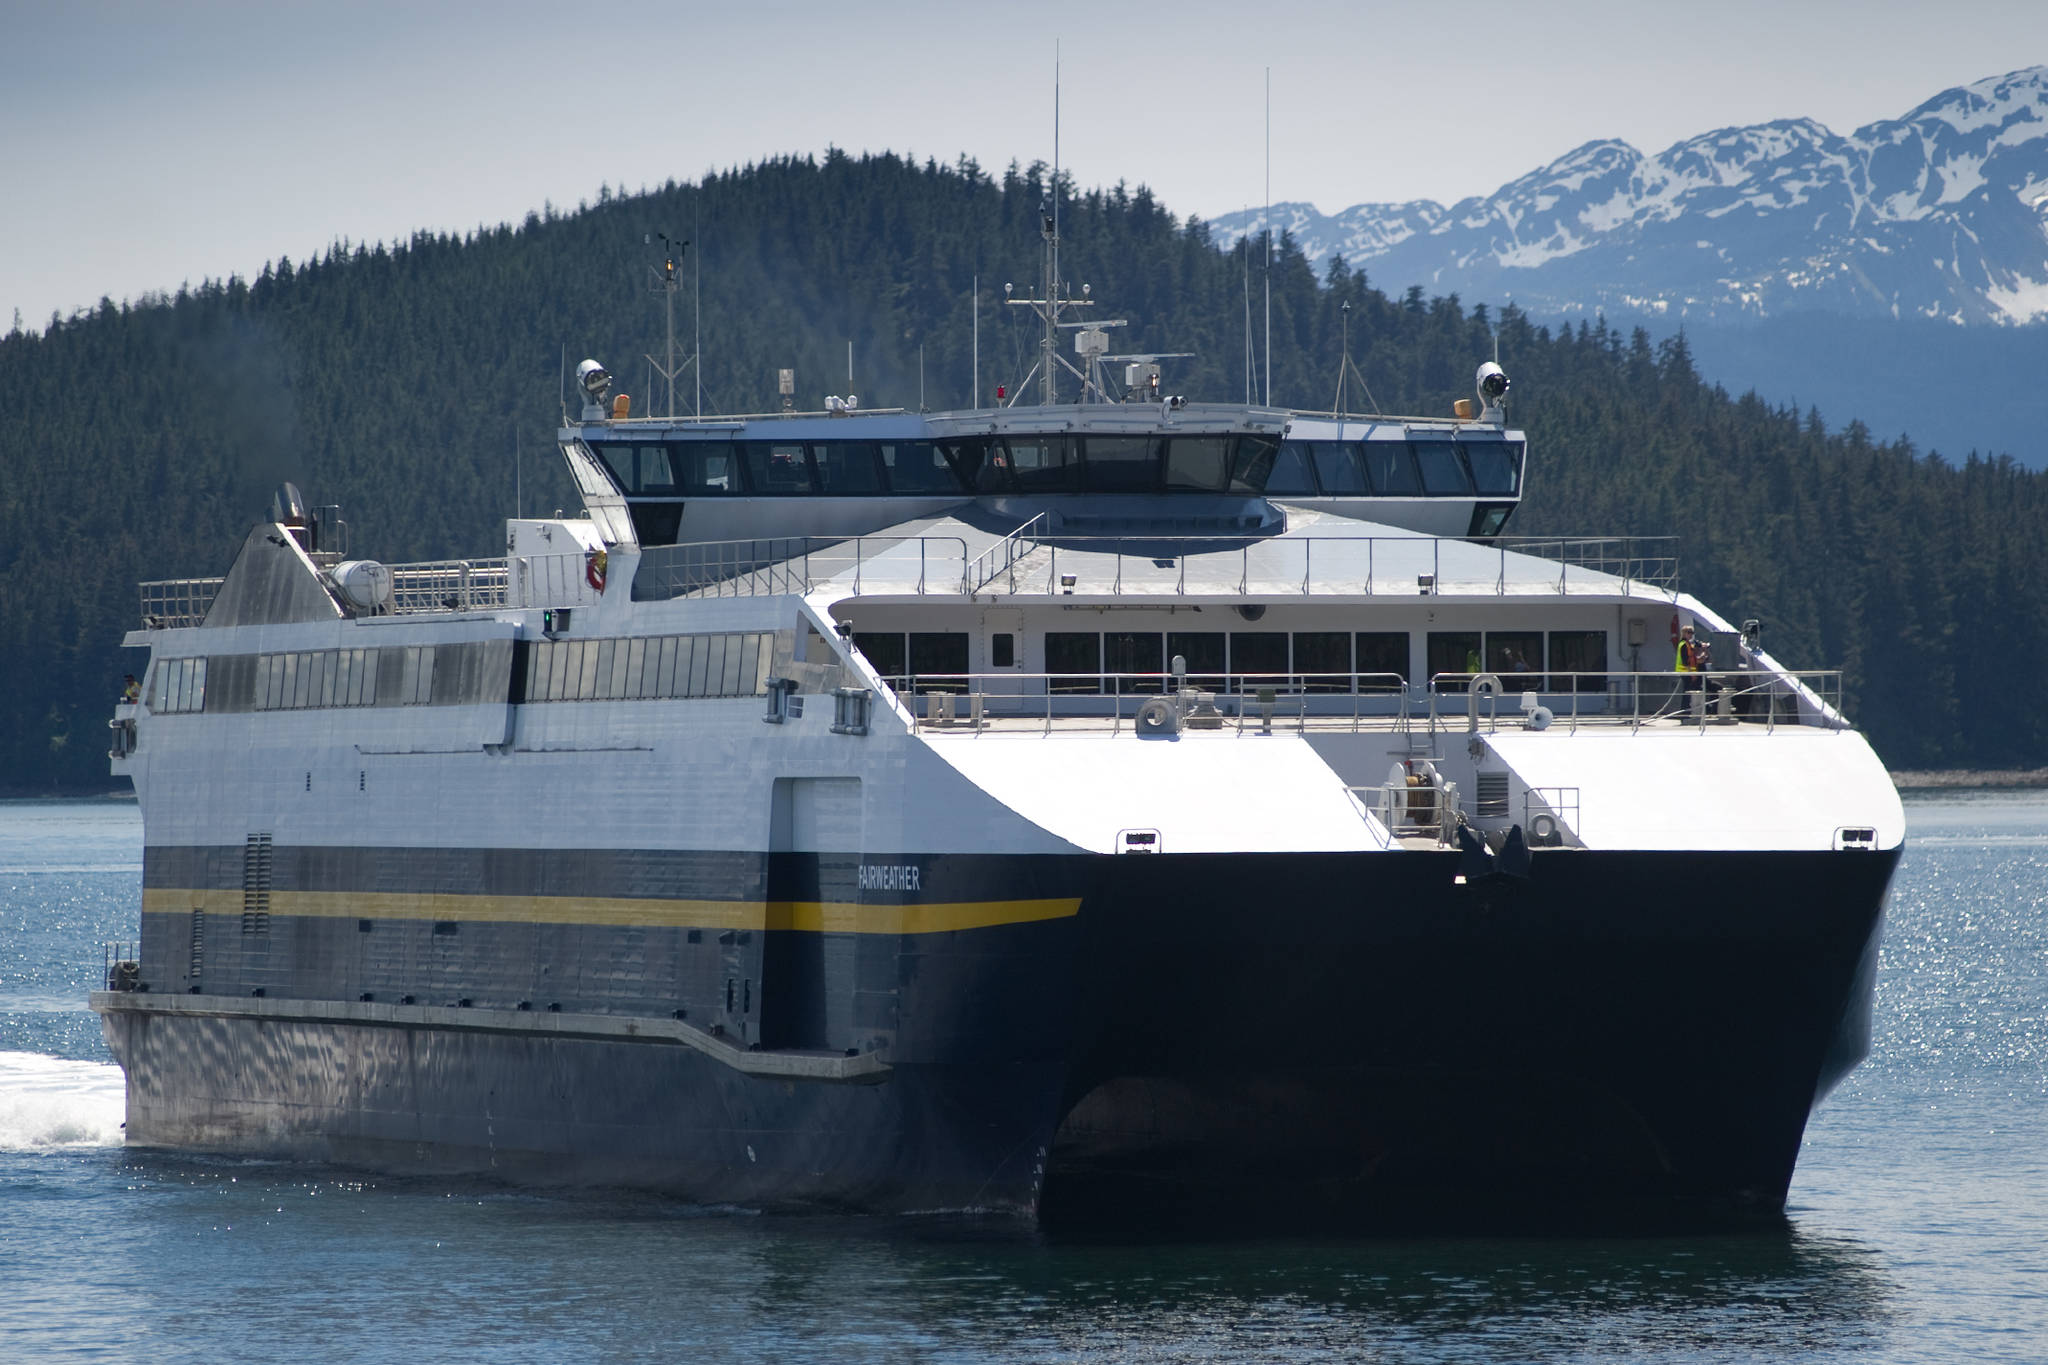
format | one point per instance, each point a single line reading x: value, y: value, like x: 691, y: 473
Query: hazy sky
x: 145, y: 145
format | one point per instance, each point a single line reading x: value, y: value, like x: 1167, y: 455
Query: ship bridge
x: 1190, y: 468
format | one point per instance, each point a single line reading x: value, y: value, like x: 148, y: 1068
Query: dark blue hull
x: 1620, y: 1039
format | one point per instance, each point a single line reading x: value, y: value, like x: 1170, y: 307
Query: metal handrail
x: 1618, y: 556
x: 1003, y: 556
x: 449, y: 585
x: 1370, y: 701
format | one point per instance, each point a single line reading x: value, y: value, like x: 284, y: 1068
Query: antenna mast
x: 1053, y: 304
x: 665, y: 284
x: 1269, y: 236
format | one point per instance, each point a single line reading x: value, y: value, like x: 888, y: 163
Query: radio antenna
x: 1269, y: 236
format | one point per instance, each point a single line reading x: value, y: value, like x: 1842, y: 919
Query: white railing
x: 449, y: 585
x: 1010, y: 701
x: 1032, y: 562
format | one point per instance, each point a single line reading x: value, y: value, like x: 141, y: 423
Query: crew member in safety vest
x: 1692, y: 660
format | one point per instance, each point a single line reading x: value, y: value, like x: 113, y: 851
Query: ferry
x: 1108, y: 800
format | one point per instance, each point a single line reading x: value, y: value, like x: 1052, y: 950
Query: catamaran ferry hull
x: 1344, y: 1036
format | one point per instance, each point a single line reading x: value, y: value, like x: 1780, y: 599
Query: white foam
x: 48, y: 1103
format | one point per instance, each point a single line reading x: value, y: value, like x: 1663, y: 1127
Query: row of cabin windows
x: 646, y: 667
x: 340, y: 677
x: 1056, y: 463
x: 394, y: 675
x: 1311, y: 661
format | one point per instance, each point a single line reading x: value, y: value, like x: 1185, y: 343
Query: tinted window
x: 777, y: 467
x: 1443, y: 473
x: 1323, y: 652
x: 1578, y: 652
x: 1122, y: 464
x: 704, y: 468
x: 1289, y: 470
x: 1456, y: 652
x: 656, y: 523
x: 1337, y: 468
x: 1133, y: 652
x: 941, y: 653
x: 981, y: 464
x: 1258, y: 652
x: 1198, y: 463
x: 1074, y: 653
x: 847, y: 467
x: 1388, y: 469
x: 1384, y: 653
x: 1517, y: 656
x: 1496, y: 466
x: 884, y: 649
x: 1203, y: 651
x: 1042, y: 464
x: 917, y: 467
x: 618, y: 459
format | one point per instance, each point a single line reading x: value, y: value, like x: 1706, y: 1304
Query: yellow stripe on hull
x: 832, y: 917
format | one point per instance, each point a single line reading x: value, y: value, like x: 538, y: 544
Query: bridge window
x: 1275, y: 470
x: 1337, y: 468
x: 847, y: 468
x: 1121, y: 464
x: 1443, y: 473
x: 1496, y: 466
x: 1389, y: 469
x: 1198, y: 463
x: 705, y: 469
x: 981, y: 464
x: 777, y: 468
x: 1042, y: 464
x: 918, y: 467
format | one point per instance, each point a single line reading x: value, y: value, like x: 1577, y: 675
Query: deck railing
x: 1449, y: 703
x: 1032, y: 561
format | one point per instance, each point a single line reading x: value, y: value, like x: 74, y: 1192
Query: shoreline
x: 1937, y: 779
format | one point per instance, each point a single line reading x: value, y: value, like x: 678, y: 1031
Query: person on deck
x: 1691, y: 664
x: 131, y: 690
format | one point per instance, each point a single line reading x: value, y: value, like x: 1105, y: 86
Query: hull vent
x: 256, y: 863
x: 1491, y: 796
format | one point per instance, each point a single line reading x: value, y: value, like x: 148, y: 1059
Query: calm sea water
x: 1918, y: 1229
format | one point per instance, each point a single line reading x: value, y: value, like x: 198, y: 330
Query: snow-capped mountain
x: 1940, y: 214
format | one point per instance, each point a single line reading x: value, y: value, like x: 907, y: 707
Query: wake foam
x: 49, y: 1103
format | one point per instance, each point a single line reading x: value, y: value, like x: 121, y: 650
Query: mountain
x: 1940, y: 214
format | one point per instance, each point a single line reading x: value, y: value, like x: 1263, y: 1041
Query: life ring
x: 594, y: 565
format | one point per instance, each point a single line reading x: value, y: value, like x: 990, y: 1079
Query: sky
x: 147, y: 145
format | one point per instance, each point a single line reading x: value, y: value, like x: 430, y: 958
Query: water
x: 1918, y: 1227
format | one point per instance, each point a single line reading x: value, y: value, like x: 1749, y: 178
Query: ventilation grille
x: 256, y: 861
x: 198, y: 941
x: 1491, y: 795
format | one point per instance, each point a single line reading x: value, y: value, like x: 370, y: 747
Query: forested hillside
x: 416, y: 385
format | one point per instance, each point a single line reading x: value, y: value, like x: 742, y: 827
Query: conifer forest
x: 419, y: 386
